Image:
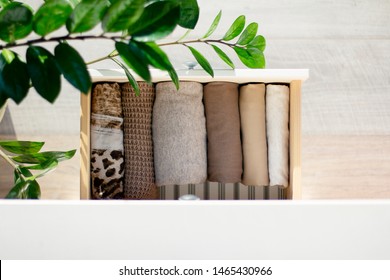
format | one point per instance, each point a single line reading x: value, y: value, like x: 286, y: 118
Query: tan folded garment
x: 223, y: 132
x: 277, y: 118
x: 254, y: 139
x: 138, y: 143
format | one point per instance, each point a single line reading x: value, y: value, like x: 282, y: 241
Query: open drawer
x: 293, y: 78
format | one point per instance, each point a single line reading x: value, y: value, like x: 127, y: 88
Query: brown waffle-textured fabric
x: 138, y: 143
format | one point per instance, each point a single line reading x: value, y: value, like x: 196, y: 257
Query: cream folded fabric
x: 277, y: 119
x: 179, y: 134
x: 138, y: 142
x: 223, y: 132
x: 253, y: 133
x: 107, y: 163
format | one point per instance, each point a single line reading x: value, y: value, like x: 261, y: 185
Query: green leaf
x: 189, y: 13
x: 86, y: 15
x: 33, y: 190
x: 44, y: 156
x: 16, y: 175
x: 184, y: 35
x: 15, y: 22
x: 21, y: 147
x: 248, y: 34
x: 47, y: 165
x: 159, y: 59
x: 223, y: 56
x: 213, y: 25
x: 135, y: 58
x: 235, y: 30
x: 130, y: 77
x: 4, y: 3
x: 258, y: 43
x: 251, y: 57
x: 29, y: 189
x: 158, y: 20
x: 202, y: 61
x: 3, y: 99
x: 73, y: 67
x: 51, y: 16
x: 14, y: 78
x: 74, y: 3
x: 121, y: 14
x: 18, y: 190
x: 45, y: 76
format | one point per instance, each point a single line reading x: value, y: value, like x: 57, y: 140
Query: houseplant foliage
x: 30, y: 164
x: 134, y: 27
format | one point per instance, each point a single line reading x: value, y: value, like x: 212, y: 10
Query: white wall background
x: 344, y: 43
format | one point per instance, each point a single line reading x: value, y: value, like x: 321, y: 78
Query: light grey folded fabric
x: 253, y: 133
x: 179, y: 134
x: 223, y: 132
x: 107, y: 160
x: 277, y: 119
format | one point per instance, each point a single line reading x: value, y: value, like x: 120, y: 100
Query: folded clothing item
x: 277, y: 119
x: 179, y: 134
x: 138, y: 142
x: 107, y: 165
x: 223, y: 132
x: 253, y: 132
x: 106, y: 100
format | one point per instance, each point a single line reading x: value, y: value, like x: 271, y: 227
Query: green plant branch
x: 178, y: 42
x: 62, y: 38
x: 10, y: 162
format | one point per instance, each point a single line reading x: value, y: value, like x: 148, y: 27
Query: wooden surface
x: 333, y: 167
x: 295, y: 189
x: 346, y: 167
x: 85, y: 146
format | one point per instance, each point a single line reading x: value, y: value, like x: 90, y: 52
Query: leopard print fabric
x: 107, y: 178
x: 107, y: 153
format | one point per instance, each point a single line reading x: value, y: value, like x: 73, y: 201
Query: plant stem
x: 196, y: 41
x: 7, y: 159
x: 112, y: 54
x: 104, y: 37
x: 60, y: 38
x: 10, y: 162
x: 178, y: 42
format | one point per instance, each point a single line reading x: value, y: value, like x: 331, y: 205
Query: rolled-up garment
x: 107, y: 100
x: 138, y: 142
x: 253, y: 133
x: 277, y: 119
x: 223, y: 132
x: 179, y: 134
x: 107, y: 164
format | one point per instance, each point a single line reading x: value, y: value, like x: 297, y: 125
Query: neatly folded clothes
x: 106, y: 100
x: 277, y: 119
x: 179, y: 134
x: 254, y: 139
x: 138, y: 143
x: 223, y: 132
x: 106, y: 142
